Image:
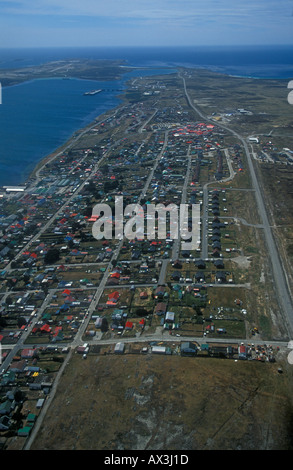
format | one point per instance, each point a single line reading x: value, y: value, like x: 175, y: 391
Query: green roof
x: 31, y: 417
x: 24, y: 431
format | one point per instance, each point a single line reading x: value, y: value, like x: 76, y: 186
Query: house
x: 113, y: 298
x: 66, y: 292
x: 160, y: 291
x: 8, y: 378
x: 119, y: 348
x: 219, y: 263
x: 18, y: 366
x: 217, y: 245
x: 199, y: 276
x: 210, y: 328
x: 115, y: 275
x: 143, y: 295
x: 170, y: 317
x: 161, y: 308
x: 142, y: 323
x: 31, y: 418
x: 185, y: 253
x: 216, y: 253
x: 35, y: 386
x: 159, y: 349
x: 242, y: 352
x: 40, y: 403
x: 45, y: 328
x: 177, y: 264
x: 24, y: 432
x: 220, y: 276
x: 188, y: 349
x: 117, y: 314
x: 5, y: 423
x: 113, y: 281
x: 6, y: 408
x: 28, y: 353
x: 176, y: 275
x: 128, y: 325
x: 200, y: 264
x: 216, y: 231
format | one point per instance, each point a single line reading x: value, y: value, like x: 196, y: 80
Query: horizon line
x: 145, y: 46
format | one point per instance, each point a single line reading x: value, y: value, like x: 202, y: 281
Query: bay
x: 39, y: 116
x: 267, y: 61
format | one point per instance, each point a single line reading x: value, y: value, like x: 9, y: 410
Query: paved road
x: 205, y: 210
x: 280, y: 279
x: 176, y: 242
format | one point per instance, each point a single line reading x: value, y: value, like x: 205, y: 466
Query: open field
x: 277, y: 185
x: 148, y: 402
x: 265, y: 100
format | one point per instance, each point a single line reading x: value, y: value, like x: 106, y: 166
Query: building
x: 40, y: 403
x: 119, y: 348
x: 170, y: 317
x: 242, y: 352
x: 159, y: 350
x: 188, y: 349
x: 28, y: 353
x: 160, y: 308
x: 24, y: 432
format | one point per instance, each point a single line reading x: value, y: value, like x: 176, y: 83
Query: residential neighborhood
x: 65, y: 292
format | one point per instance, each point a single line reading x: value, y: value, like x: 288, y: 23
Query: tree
x: 21, y: 321
x: 70, y: 244
x: 3, y: 322
x: 52, y: 256
x: 9, y: 300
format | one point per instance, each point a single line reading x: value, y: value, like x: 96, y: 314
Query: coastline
x: 66, y: 145
x: 81, y: 131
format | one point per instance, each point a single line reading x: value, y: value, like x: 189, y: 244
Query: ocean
x: 38, y: 116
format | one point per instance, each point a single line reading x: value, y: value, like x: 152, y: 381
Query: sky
x: 63, y: 23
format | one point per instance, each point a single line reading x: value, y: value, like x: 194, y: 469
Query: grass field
x: 148, y: 402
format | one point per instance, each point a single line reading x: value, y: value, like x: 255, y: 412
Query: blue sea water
x: 38, y: 116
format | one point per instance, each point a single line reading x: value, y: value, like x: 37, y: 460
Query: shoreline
x: 67, y: 144
x: 81, y: 131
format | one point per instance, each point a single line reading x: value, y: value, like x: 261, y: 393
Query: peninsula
x: 77, y: 68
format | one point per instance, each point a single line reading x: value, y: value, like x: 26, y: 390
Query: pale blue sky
x: 32, y: 23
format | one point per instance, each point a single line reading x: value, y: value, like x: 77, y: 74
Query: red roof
x: 46, y: 328
x: 114, y: 295
x: 117, y: 275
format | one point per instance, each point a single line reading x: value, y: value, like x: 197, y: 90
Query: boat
x: 93, y: 92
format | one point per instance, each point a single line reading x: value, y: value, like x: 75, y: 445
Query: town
x: 65, y: 291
